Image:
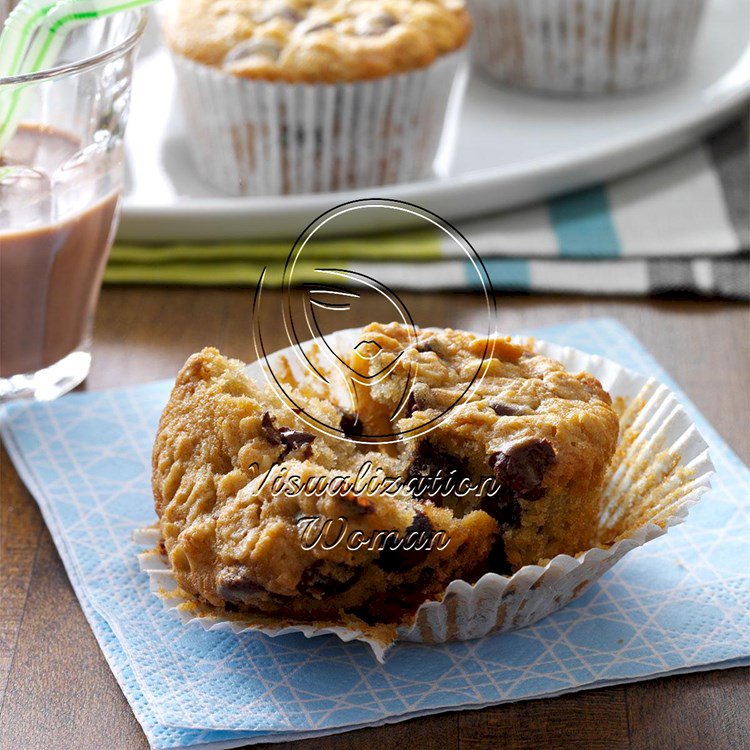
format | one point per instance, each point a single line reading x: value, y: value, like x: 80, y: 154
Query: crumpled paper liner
x: 661, y: 467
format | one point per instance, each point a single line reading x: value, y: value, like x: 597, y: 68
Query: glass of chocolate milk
x: 61, y: 178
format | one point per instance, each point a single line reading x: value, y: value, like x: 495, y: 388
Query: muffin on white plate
x: 584, y: 46
x: 302, y: 96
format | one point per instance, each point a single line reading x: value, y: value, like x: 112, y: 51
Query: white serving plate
x: 510, y: 147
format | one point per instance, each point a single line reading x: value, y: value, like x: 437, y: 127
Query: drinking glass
x: 61, y: 178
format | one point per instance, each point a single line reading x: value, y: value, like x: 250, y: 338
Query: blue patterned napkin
x: 682, y: 603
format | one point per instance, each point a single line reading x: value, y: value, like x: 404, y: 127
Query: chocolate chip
x: 270, y: 430
x: 497, y: 560
x: 294, y: 439
x: 289, y: 14
x: 411, y: 405
x: 414, y: 403
x: 319, y: 26
x: 236, y: 587
x: 418, y: 400
x: 536, y: 494
x: 431, y: 462
x: 351, y: 425
x: 427, y: 346
x: 505, y: 410
x: 285, y: 12
x: 503, y: 506
x: 420, y: 523
x: 522, y: 465
x: 374, y: 24
x: 286, y: 436
x: 322, y: 579
x: 393, y: 557
x: 253, y: 48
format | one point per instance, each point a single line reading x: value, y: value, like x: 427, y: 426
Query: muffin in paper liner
x: 255, y: 137
x: 660, y: 468
x: 584, y: 46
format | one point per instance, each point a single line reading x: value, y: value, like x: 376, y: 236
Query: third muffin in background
x: 584, y: 46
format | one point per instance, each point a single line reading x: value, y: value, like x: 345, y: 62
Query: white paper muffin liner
x: 661, y: 468
x: 250, y: 137
x: 584, y: 46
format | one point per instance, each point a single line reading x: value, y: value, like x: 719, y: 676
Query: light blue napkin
x: 681, y: 603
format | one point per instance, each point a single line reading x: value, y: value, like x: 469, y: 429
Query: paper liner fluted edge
x: 255, y: 137
x: 495, y: 603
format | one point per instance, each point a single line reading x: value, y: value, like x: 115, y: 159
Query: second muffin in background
x: 301, y: 96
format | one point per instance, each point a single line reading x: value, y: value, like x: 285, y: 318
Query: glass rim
x: 87, y: 63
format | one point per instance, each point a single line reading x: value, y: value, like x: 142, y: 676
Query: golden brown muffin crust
x: 320, y: 41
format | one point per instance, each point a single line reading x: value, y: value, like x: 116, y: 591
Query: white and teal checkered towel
x: 682, y: 225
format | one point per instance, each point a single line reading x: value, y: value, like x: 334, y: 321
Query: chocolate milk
x: 57, y: 221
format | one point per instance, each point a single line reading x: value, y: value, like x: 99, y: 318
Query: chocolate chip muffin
x: 300, y: 96
x: 477, y: 406
x: 493, y: 457
x: 235, y: 540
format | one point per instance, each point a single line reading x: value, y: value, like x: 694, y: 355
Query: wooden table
x: 55, y: 686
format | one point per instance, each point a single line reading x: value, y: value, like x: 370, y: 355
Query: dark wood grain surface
x: 56, y: 690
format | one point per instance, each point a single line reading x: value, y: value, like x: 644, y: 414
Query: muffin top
x: 316, y: 41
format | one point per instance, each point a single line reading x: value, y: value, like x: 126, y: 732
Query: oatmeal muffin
x: 234, y: 539
x: 497, y: 462
x: 595, y: 47
x: 290, y: 96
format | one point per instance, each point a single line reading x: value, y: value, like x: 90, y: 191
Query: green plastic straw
x: 19, y: 27
x: 33, y: 48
